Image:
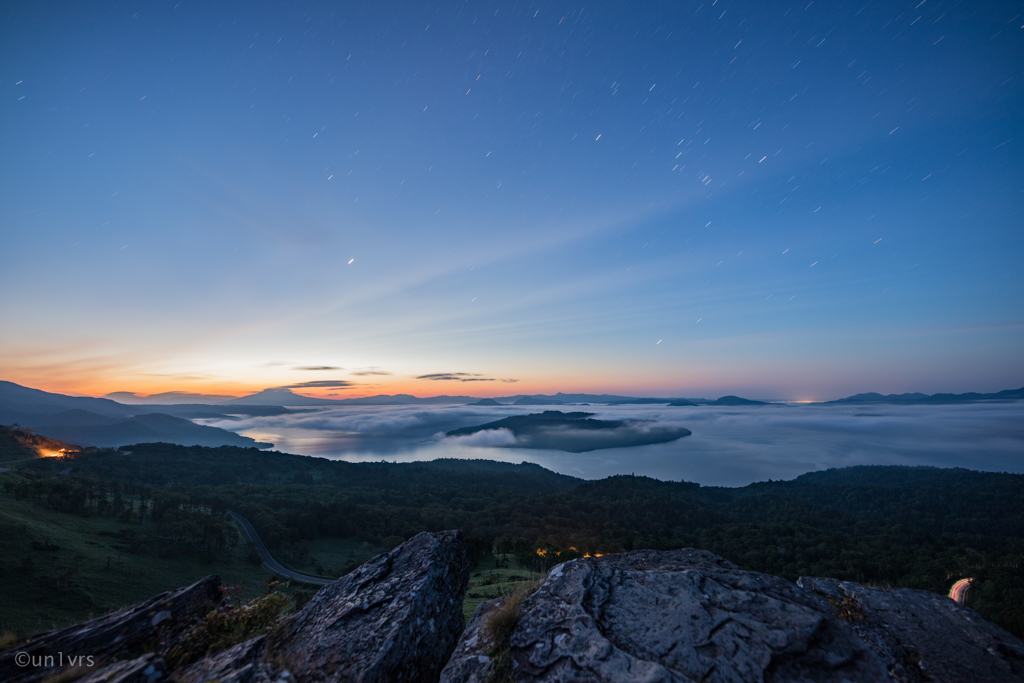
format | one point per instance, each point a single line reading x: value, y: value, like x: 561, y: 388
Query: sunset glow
x: 371, y: 207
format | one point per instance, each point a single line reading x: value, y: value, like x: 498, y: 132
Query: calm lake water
x: 728, y: 447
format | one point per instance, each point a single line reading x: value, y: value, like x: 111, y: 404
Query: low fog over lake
x: 729, y: 446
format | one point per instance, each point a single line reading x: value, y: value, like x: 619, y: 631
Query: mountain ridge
x: 18, y: 397
x: 102, y: 422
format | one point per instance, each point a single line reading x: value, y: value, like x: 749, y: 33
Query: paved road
x: 959, y: 590
x: 268, y: 561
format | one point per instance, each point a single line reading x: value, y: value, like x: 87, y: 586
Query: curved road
x: 959, y: 590
x: 268, y: 561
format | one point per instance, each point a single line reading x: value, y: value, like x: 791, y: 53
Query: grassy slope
x: 334, y: 557
x: 12, y: 449
x: 496, y: 575
x: 88, y: 576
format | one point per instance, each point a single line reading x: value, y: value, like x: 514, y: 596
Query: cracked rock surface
x: 922, y: 636
x: 683, y: 615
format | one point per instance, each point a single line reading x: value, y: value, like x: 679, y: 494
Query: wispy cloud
x: 318, y: 367
x: 462, y: 377
x: 322, y: 384
x: 371, y: 372
x: 456, y: 377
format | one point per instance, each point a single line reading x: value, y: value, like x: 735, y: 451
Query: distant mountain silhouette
x: 737, y: 401
x: 536, y: 401
x: 281, y: 397
x: 407, y: 399
x: 148, y: 428
x: 16, y: 397
x: 168, y: 398
x: 682, y: 402
x: 872, y: 397
x: 195, y: 411
x: 560, y: 398
x: 90, y: 421
x: 286, y: 397
x: 934, y: 399
x: 92, y: 429
x: 642, y: 402
x: 486, y: 402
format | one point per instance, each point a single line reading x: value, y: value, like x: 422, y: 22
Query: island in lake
x: 574, y: 432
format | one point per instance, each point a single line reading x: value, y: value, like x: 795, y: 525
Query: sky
x: 777, y: 200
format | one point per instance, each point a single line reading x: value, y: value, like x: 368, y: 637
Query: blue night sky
x: 795, y: 201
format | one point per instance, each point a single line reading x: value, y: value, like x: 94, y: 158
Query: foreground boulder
x: 395, y: 618
x: 147, y: 626
x: 921, y: 636
x: 689, y: 615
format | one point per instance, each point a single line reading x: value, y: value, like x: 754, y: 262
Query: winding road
x: 268, y: 561
x: 959, y: 590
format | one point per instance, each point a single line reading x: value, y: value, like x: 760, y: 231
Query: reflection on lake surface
x: 729, y: 446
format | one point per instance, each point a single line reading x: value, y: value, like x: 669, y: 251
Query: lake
x: 729, y: 446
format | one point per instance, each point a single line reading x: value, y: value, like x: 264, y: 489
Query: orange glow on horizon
x: 102, y: 383
x: 101, y: 386
x: 101, y: 376
x: 72, y: 372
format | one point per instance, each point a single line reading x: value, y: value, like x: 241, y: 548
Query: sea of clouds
x: 729, y: 446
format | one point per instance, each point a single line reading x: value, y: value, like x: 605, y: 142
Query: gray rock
x: 149, y: 625
x: 921, y: 636
x: 145, y: 669
x: 239, y: 664
x: 471, y: 663
x: 395, y: 618
x: 683, y: 615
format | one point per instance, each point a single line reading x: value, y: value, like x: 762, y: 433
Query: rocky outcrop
x: 147, y: 626
x: 658, y: 617
x: 688, y: 615
x: 242, y: 663
x: 395, y: 618
x: 922, y: 636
